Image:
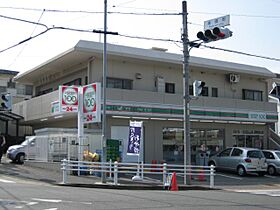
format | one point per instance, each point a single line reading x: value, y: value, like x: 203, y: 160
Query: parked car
x: 17, y: 153
x: 273, y: 161
x: 241, y: 160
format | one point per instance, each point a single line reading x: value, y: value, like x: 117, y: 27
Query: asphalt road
x: 27, y: 194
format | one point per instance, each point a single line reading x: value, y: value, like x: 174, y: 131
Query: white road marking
x: 269, y: 192
x: 272, y: 177
x: 6, y: 181
x: 31, y: 203
x: 47, y: 200
x: 51, y: 209
x: 231, y: 177
x: 19, y: 207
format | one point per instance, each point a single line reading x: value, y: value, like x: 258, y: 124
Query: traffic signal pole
x: 186, y: 103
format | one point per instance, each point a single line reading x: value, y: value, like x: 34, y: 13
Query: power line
x: 121, y: 35
x: 143, y: 13
x: 241, y: 53
x: 26, y: 42
x: 91, y: 12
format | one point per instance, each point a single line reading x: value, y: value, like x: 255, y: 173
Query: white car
x: 273, y: 161
x: 241, y: 160
x: 17, y: 153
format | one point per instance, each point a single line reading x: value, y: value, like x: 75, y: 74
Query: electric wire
x: 121, y: 35
x: 26, y: 42
x: 241, y: 53
x: 143, y: 13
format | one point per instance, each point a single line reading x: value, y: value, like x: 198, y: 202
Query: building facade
x: 17, y: 92
x: 147, y: 85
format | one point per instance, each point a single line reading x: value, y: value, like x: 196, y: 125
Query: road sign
x: 217, y: 22
x: 69, y: 98
x: 92, y: 103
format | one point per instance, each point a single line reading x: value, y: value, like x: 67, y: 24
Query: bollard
x: 110, y: 170
x: 164, y: 174
x: 212, y: 176
x: 64, y: 171
x: 142, y: 170
x: 115, y: 173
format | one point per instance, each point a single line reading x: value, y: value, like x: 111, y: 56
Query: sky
x: 255, y: 25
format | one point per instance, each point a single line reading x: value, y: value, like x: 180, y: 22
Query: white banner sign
x: 92, y: 103
x: 134, y: 138
x: 69, y: 98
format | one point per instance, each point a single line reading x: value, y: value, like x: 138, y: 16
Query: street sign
x: 69, y: 98
x: 92, y: 103
x: 217, y: 22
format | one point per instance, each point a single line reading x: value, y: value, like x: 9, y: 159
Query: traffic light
x: 5, y: 102
x: 214, y: 34
x: 197, y: 87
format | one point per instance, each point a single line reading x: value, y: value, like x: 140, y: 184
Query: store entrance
x: 204, y: 142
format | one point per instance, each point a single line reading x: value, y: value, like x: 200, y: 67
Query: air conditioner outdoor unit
x: 234, y: 78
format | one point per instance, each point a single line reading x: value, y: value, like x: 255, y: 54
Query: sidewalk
x: 51, y: 173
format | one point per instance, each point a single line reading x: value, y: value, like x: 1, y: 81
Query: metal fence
x: 139, y: 171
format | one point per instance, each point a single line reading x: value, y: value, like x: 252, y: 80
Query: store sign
x: 69, y: 98
x: 257, y: 115
x: 92, y: 103
x: 55, y: 109
x: 134, y: 138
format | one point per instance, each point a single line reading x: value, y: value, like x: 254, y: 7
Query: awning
x: 9, y: 116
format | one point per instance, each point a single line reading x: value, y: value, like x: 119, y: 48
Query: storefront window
x: 208, y: 140
x: 245, y: 138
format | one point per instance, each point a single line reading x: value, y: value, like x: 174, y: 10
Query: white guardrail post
x: 115, y: 173
x: 212, y: 176
x: 64, y: 171
x: 164, y: 174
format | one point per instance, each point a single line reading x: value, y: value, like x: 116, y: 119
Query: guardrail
x: 139, y: 170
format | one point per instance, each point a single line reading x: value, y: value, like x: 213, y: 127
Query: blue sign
x: 135, y: 134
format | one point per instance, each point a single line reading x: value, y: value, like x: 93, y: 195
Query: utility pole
x: 103, y: 138
x: 187, y: 142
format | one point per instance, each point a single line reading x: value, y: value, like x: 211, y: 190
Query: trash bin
x: 202, y: 158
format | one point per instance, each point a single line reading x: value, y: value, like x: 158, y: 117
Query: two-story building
x: 17, y: 92
x: 147, y: 85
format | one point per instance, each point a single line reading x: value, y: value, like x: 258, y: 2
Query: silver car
x: 273, y: 161
x: 241, y: 160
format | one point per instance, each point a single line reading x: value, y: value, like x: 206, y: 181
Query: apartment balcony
x: 155, y: 104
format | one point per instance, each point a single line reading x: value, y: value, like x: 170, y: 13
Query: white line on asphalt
x: 51, y: 209
x: 47, y: 200
x: 268, y: 176
x: 232, y: 177
x: 31, y: 203
x: 6, y: 181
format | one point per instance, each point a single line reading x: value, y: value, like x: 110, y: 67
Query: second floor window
x: 77, y: 82
x: 169, y: 87
x: 119, y: 83
x: 214, y: 92
x: 254, y: 95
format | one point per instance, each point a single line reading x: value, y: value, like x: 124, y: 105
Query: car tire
x: 20, y: 158
x: 261, y: 173
x: 241, y: 171
x: 271, y: 170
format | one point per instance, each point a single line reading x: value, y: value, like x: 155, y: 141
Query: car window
x: 278, y: 154
x: 236, y: 152
x: 255, y: 154
x: 225, y: 153
x: 268, y: 155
